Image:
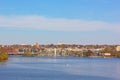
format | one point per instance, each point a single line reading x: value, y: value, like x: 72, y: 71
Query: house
x: 107, y: 54
x: 118, y: 48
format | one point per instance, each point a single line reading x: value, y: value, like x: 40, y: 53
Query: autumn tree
x: 3, y: 55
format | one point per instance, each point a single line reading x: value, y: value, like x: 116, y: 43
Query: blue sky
x: 54, y: 21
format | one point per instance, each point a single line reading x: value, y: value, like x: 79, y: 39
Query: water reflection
x: 36, y: 68
x: 3, y: 64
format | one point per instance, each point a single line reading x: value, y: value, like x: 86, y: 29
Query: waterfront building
x: 118, y: 48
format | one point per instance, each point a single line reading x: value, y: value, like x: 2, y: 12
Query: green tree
x: 85, y: 54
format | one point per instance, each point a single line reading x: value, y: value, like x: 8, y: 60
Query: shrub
x: 3, y: 56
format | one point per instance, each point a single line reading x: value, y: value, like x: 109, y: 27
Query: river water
x: 59, y: 68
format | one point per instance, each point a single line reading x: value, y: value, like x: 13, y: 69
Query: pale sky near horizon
x: 54, y: 21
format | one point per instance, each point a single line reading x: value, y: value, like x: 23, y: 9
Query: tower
x: 37, y: 46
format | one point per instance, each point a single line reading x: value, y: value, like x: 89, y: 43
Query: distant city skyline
x: 54, y: 21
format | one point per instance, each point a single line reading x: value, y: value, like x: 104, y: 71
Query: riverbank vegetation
x: 28, y: 54
x: 3, y: 55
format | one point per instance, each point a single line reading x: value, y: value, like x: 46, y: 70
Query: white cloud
x: 45, y: 23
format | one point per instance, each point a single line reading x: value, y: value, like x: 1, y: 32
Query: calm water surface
x: 43, y: 68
